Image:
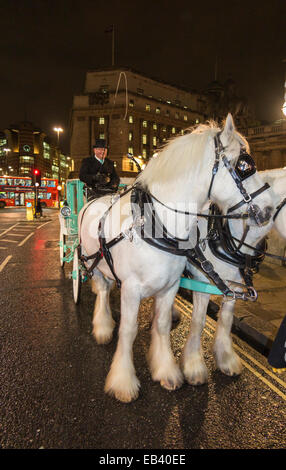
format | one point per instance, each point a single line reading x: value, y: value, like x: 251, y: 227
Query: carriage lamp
x: 284, y: 108
x: 65, y: 211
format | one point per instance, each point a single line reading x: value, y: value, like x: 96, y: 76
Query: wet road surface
x: 52, y: 372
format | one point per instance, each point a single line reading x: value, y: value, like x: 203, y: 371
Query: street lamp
x: 58, y: 130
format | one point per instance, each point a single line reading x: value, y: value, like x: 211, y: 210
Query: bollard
x: 29, y: 211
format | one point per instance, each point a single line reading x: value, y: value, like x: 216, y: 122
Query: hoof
x: 229, y: 364
x: 103, y: 334
x: 195, y: 370
x: 170, y: 385
x: 123, y: 389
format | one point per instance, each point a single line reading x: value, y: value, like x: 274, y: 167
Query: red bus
x: 18, y: 190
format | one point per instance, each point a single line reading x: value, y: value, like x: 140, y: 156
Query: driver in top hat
x: 98, y: 171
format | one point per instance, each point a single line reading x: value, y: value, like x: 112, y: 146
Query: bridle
x: 245, y: 167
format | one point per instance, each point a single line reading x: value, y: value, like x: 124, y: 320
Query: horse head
x: 235, y: 183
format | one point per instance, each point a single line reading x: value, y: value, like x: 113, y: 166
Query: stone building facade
x: 24, y: 147
x: 134, y: 113
x: 268, y: 144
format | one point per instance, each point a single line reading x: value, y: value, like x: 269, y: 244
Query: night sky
x: 46, y: 47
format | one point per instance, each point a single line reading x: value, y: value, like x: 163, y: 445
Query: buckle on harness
x: 207, y: 266
x: 247, y: 198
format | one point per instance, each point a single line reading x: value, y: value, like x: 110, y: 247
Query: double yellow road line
x: 185, y: 308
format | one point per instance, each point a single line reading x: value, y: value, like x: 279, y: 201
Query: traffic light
x: 36, y: 177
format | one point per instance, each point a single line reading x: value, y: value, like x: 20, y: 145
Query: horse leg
x: 103, y: 323
x: 161, y: 360
x: 121, y: 380
x: 227, y: 360
x: 193, y: 364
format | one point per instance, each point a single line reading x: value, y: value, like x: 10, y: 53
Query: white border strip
x: 44, y: 224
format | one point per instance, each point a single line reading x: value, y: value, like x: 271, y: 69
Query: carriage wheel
x: 62, y: 248
x: 76, y: 277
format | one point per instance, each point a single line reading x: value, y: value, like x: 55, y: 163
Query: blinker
x: 245, y: 166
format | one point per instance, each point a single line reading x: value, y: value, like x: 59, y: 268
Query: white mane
x: 180, y: 154
x: 277, y: 180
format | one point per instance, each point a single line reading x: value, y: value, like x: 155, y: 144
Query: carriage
x: 69, y: 242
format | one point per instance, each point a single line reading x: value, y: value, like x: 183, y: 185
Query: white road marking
x: 181, y: 304
x: 25, y: 239
x: 7, y: 240
x: 6, y: 260
x: 15, y: 235
x: 3, y: 247
x: 8, y: 229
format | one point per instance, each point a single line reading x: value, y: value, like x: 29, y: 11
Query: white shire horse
x: 227, y: 360
x: 181, y: 174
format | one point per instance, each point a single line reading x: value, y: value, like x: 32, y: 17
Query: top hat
x: 100, y: 144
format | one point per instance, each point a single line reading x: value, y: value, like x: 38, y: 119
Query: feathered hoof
x: 103, y: 334
x: 102, y: 338
x: 229, y: 364
x: 173, y: 382
x: 121, y: 392
x: 195, y: 371
x: 197, y: 379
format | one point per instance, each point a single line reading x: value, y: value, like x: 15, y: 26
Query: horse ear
x: 228, y: 129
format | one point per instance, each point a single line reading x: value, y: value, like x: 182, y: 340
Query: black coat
x: 93, y: 173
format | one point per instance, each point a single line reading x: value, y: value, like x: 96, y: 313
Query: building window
x: 176, y: 115
x: 154, y: 141
x: 167, y: 113
x: 185, y: 117
x: 158, y: 110
x: 130, y: 150
x: 140, y: 91
x: 144, y: 153
x: 130, y: 136
x: 102, y: 136
x: 144, y: 138
x: 131, y: 103
x: 197, y: 121
x: 101, y: 120
x: 148, y: 107
x: 145, y: 123
x: 25, y: 159
x: 164, y: 129
x: 173, y: 130
x: 128, y: 165
x: 130, y: 119
x: 46, y: 151
x: 155, y: 126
